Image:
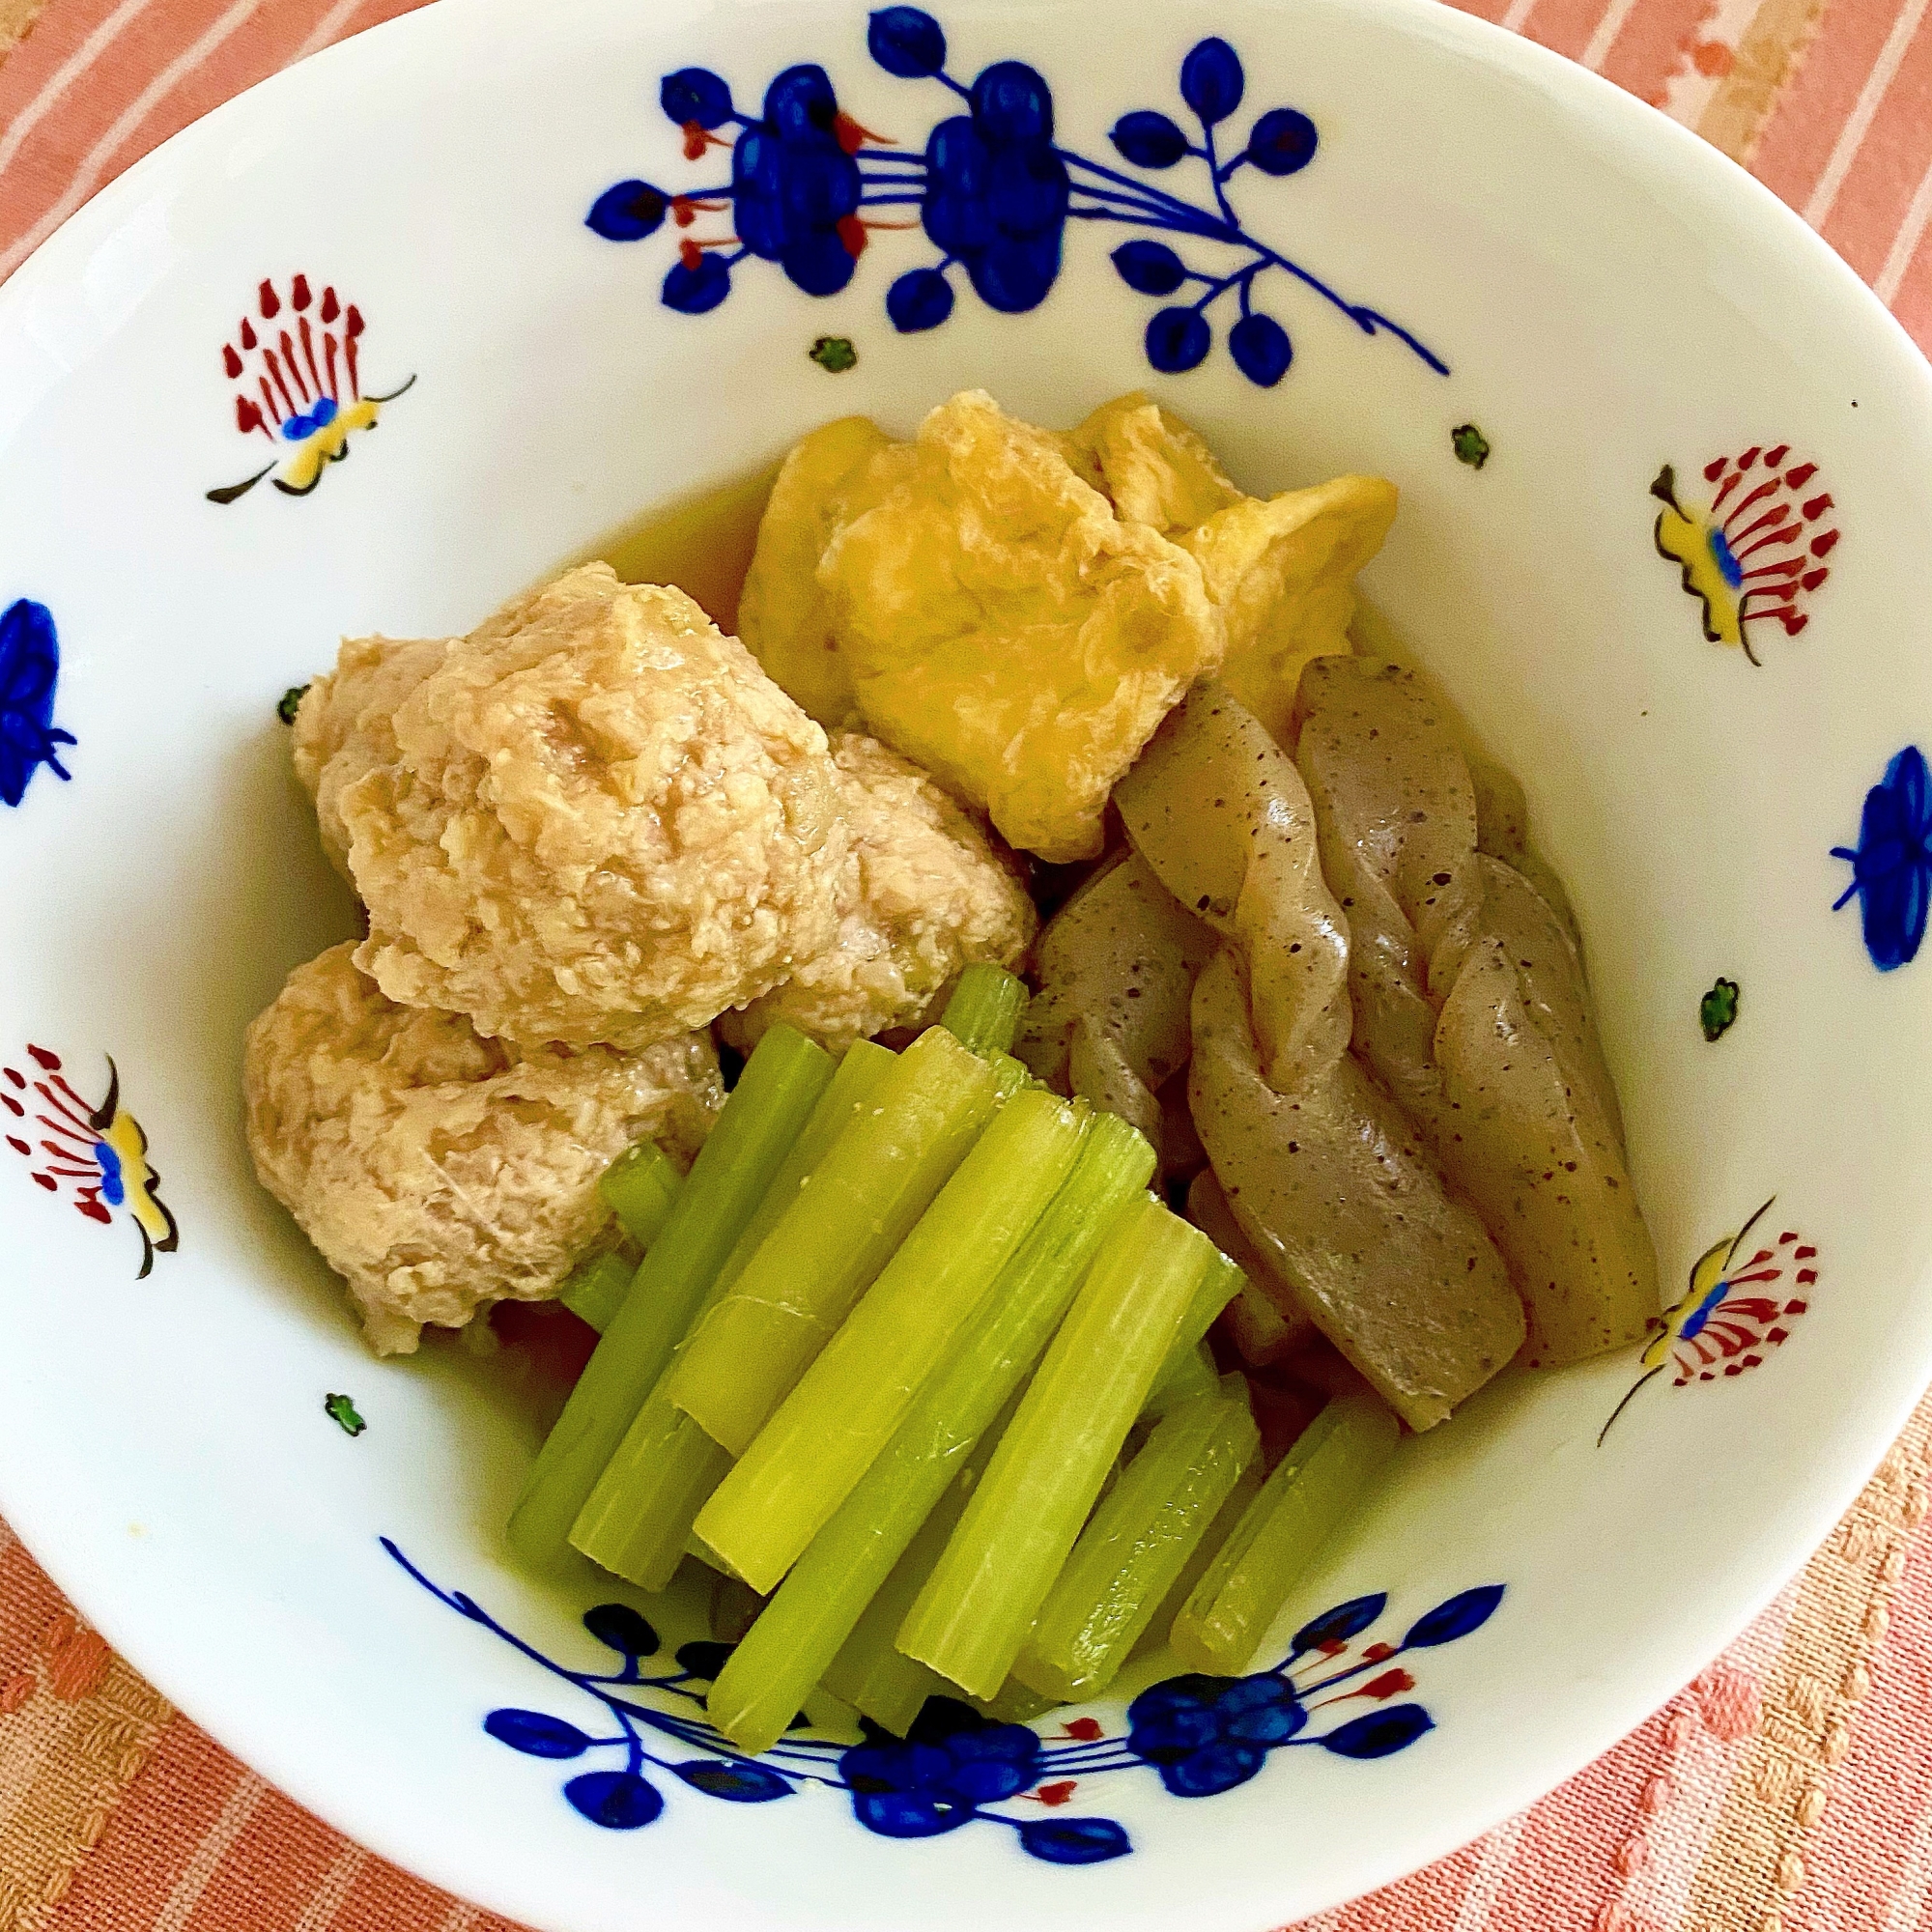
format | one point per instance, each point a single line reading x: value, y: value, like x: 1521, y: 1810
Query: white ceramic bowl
x: 1608, y: 297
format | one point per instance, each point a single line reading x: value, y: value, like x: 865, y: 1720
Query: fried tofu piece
x: 1281, y: 569
x: 831, y: 477
x: 437, y: 1171
x: 595, y: 821
x: 1153, y: 468
x: 1283, y: 574
x: 1004, y: 627
x: 922, y: 894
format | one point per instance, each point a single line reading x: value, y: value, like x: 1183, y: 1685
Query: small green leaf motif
x: 290, y: 703
x: 1470, y: 445
x: 833, y: 353
x: 1717, y: 1010
x: 342, y: 1412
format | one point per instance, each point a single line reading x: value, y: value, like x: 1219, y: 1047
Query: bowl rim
x: 1607, y: 117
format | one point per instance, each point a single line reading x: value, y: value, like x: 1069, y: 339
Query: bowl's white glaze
x: 1609, y: 297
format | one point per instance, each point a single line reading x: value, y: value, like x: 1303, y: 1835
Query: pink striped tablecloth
x: 1789, y: 1789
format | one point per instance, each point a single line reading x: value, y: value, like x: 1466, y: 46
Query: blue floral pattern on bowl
x: 29, y: 673
x: 993, y: 191
x: 1200, y: 1735
x: 1891, y: 863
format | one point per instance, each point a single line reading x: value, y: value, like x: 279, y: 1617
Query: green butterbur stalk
x: 986, y: 1009
x: 1247, y: 1487
x: 1137, y: 1544
x: 596, y: 1290
x: 829, y: 1429
x: 1219, y: 1286
x: 1016, y: 1703
x: 830, y: 1243
x: 640, y: 1187
x: 770, y: 1106
x: 1318, y: 1484
x: 804, y: 1625
x: 1185, y: 1374
x: 637, y: 1519
x: 1189, y: 1368
x: 870, y: 1673
x: 975, y: 1612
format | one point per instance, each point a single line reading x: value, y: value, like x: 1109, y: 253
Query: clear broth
x: 702, y: 543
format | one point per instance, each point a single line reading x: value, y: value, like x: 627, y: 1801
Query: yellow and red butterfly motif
x: 1736, y: 1310
x: 96, y: 1155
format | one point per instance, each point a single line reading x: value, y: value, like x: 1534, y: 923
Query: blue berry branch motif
x: 1200, y: 1735
x: 993, y: 191
x: 1891, y: 863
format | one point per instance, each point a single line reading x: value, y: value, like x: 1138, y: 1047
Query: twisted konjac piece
x: 1333, y: 1182
x: 1217, y: 810
x: 1116, y: 970
x: 1327, y: 1177
x: 1470, y: 1004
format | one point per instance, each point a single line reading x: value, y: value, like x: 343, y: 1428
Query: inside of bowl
x: 1604, y: 306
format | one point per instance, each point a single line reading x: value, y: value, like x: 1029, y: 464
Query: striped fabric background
x: 1789, y: 1789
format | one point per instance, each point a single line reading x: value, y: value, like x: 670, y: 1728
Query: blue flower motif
x: 1209, y: 1734
x: 29, y: 670
x: 1201, y: 1735
x: 953, y: 1763
x: 1891, y: 863
x: 991, y: 188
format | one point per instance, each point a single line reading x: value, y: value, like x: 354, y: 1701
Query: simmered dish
x: 1162, y: 1069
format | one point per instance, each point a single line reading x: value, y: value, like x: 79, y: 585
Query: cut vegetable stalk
x: 855, y: 1088
x: 1223, y: 1281
x: 1318, y: 1483
x: 640, y: 1187
x: 1138, y: 1543
x: 986, y: 1009
x: 974, y: 1614
x: 1016, y: 1703
x: 637, y: 1521
x: 831, y: 1241
x: 878, y: 1681
x: 774, y: 1098
x: 1185, y: 1374
x: 821, y: 1601
x: 596, y: 1290
x: 831, y: 1428
x: 1247, y: 1487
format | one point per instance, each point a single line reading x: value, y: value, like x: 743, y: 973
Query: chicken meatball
x: 437, y: 1171
x: 923, y: 893
x: 343, y: 722
x: 595, y: 821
